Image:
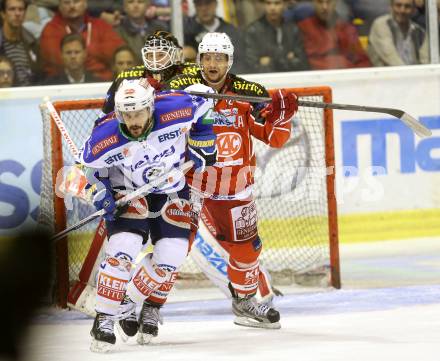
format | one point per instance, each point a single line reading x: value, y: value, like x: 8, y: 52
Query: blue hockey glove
x: 202, y: 151
x: 103, y: 199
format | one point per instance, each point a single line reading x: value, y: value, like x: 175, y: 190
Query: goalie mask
x: 162, y: 54
x: 219, y: 43
x: 134, y: 106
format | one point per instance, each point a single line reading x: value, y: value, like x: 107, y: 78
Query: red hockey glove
x: 284, y: 106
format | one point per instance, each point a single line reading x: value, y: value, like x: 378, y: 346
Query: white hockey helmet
x: 161, y: 51
x: 217, y: 43
x: 132, y: 96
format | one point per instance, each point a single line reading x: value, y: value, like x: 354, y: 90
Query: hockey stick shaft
x: 60, y: 125
x: 173, y: 174
x: 410, y: 121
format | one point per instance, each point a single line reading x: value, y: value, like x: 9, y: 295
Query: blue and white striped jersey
x: 132, y: 163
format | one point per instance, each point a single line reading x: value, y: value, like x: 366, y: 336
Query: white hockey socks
x: 114, y: 272
x: 157, y: 268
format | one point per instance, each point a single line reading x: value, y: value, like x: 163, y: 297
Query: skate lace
x: 258, y: 309
x: 151, y: 315
x: 105, y: 323
x: 127, y: 310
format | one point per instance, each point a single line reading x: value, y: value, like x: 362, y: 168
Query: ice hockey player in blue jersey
x: 149, y: 136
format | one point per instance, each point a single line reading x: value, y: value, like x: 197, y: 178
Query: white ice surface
x: 388, y: 309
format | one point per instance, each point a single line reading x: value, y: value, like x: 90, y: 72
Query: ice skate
x: 148, y: 323
x: 128, y: 326
x: 102, y: 332
x: 250, y: 313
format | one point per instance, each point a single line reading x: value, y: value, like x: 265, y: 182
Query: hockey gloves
x: 283, y: 107
x: 103, y: 199
x: 202, y: 150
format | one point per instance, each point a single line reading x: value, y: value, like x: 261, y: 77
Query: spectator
x: 38, y: 14
x: 18, y: 44
x: 365, y: 9
x: 107, y: 10
x: 6, y: 72
x: 134, y: 28
x: 74, y: 54
x: 273, y: 44
x: 123, y: 59
x: 298, y: 10
x: 206, y: 21
x: 101, y: 40
x: 161, y: 10
x: 330, y: 42
x: 419, y: 15
x: 396, y: 40
x: 248, y: 11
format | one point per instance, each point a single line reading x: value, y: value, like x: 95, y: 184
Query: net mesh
x: 291, y: 197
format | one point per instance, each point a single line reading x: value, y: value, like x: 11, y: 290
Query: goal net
x: 294, y: 191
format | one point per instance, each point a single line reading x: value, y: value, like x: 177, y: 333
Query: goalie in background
x: 148, y: 138
x: 230, y: 208
x: 163, y: 59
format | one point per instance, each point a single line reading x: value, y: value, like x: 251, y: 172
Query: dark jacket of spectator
x: 332, y: 47
x: 135, y: 37
x: 101, y: 41
x: 194, y: 32
x: 64, y: 79
x: 262, y: 40
x: 24, y: 75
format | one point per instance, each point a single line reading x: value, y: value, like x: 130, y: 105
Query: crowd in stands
x: 76, y: 41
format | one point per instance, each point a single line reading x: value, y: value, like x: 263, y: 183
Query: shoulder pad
x: 182, y: 81
x: 132, y: 73
x: 190, y: 68
x: 171, y: 108
x: 246, y: 87
x: 104, y: 137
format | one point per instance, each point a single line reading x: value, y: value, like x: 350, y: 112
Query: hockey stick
x: 59, y: 123
x: 129, y: 197
x: 410, y: 121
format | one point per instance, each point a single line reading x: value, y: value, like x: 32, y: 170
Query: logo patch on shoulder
x: 104, y: 144
x: 176, y: 114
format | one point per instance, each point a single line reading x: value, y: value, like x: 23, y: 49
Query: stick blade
x: 415, y: 125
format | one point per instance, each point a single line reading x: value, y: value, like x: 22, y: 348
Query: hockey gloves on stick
x: 283, y: 107
x: 202, y: 151
x: 103, y: 199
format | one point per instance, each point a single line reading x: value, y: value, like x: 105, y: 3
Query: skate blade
x: 144, y: 338
x: 100, y: 346
x: 250, y: 322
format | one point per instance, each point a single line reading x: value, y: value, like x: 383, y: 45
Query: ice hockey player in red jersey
x: 230, y: 208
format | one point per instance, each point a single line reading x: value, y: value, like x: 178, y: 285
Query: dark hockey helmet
x: 162, y: 54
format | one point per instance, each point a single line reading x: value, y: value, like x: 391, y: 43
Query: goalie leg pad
x: 114, y: 272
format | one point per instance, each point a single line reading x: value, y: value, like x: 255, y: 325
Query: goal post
x: 294, y: 190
